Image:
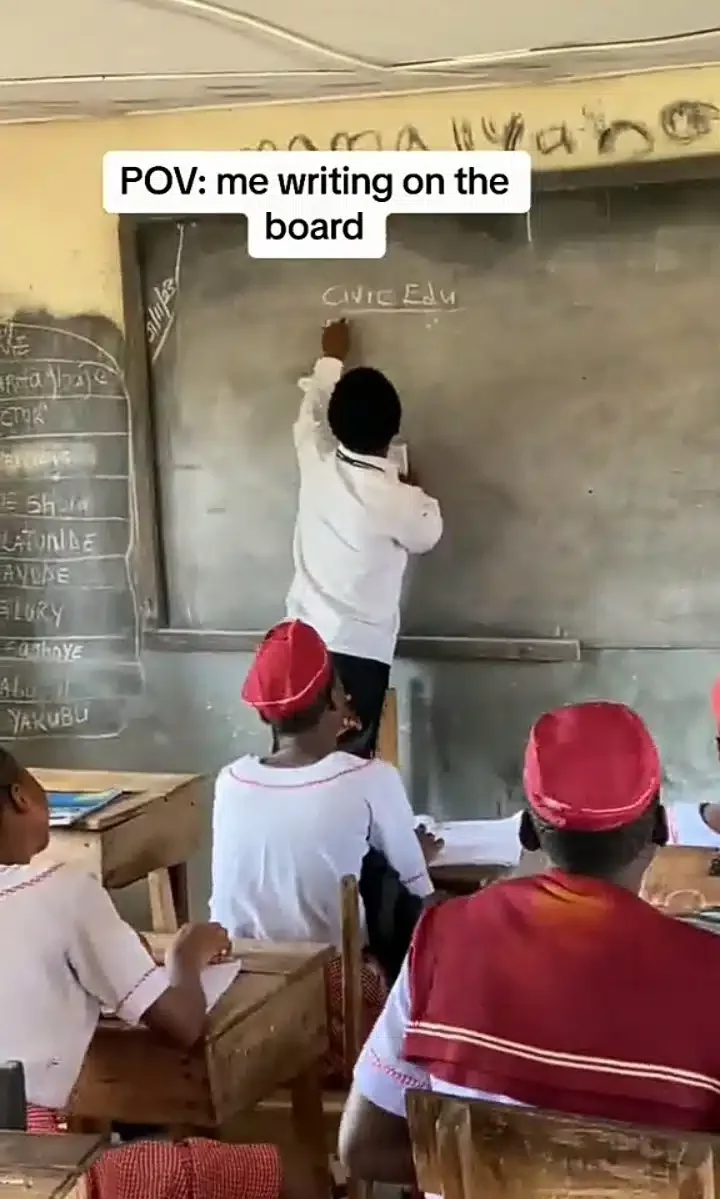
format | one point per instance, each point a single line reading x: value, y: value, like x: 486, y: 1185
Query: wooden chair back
x: 682, y: 880
x: 465, y: 1148
x: 352, y: 996
x: 388, y: 747
x: 351, y: 973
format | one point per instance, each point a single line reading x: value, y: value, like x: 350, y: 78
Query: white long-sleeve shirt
x: 356, y: 525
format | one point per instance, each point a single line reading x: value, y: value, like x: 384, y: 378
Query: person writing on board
x: 357, y: 522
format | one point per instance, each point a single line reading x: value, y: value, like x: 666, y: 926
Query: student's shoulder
x: 241, y: 770
x: 59, y: 884
x: 379, y: 777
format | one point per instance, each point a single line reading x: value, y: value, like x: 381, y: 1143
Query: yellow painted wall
x: 58, y: 248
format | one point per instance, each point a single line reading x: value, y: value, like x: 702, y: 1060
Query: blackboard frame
x: 157, y: 633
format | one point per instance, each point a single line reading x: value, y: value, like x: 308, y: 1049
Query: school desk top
x: 44, y: 1167
x: 155, y: 823
x: 682, y: 880
x: 268, y: 1028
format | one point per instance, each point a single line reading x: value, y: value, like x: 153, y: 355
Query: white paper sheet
x: 216, y: 980
x: 476, y: 842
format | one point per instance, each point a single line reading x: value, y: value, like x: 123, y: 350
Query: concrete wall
x: 463, y: 725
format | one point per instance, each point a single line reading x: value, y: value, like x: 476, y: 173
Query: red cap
x: 591, y: 767
x: 291, y: 669
x: 715, y: 702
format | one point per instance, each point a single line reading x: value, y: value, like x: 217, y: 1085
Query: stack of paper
x: 477, y: 842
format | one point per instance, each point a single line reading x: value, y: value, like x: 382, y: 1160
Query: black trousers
x: 366, y: 683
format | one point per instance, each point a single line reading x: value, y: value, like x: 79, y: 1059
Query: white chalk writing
x: 56, y: 543
x: 41, y: 650
x: 34, y: 574
x: 48, y: 718
x: 410, y: 297
x: 14, y: 610
x: 160, y: 309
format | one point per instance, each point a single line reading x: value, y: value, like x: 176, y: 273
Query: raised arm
x: 312, y: 437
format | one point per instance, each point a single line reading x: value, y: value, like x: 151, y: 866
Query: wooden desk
x: 44, y: 1167
x: 682, y: 880
x: 268, y: 1031
x: 148, y: 832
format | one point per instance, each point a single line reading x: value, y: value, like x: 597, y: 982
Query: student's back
x: 284, y: 838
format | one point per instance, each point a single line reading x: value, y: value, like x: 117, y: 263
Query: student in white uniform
x: 357, y: 523
x: 67, y: 956
x: 287, y: 828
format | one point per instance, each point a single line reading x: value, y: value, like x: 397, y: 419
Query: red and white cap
x: 591, y: 767
x: 291, y: 670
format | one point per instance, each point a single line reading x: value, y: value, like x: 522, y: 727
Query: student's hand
x: 429, y: 844
x: 199, y: 945
x: 336, y: 340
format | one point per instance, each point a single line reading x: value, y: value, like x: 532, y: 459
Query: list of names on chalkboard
x: 69, y: 652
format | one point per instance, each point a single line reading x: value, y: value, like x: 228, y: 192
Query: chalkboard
x: 561, y: 383
x: 69, y: 654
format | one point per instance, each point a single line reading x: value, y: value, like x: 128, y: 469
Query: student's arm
x: 374, y: 1141
x: 312, y: 437
x: 392, y: 827
x: 417, y: 520
x: 112, y: 964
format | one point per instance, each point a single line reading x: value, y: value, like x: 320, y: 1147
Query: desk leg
x: 309, y: 1124
x: 179, y: 887
x: 162, y: 902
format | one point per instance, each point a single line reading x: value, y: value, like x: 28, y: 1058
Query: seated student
x: 562, y: 991
x: 67, y: 954
x: 357, y: 523
x: 288, y: 827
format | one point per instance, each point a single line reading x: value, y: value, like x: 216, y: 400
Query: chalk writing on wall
x: 69, y: 650
x: 160, y: 302
x: 418, y: 297
x: 679, y: 123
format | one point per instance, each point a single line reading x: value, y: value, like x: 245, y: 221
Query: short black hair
x: 10, y: 773
x: 364, y: 412
x: 308, y: 719
x: 597, y: 855
x: 10, y: 769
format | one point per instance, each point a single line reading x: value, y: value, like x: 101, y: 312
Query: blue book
x: 67, y: 807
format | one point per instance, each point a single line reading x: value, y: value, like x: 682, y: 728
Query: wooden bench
x: 148, y: 832
x: 470, y: 1149
x: 45, y: 1167
x: 32, y: 1166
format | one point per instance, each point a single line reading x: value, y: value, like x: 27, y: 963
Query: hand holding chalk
x: 336, y: 339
